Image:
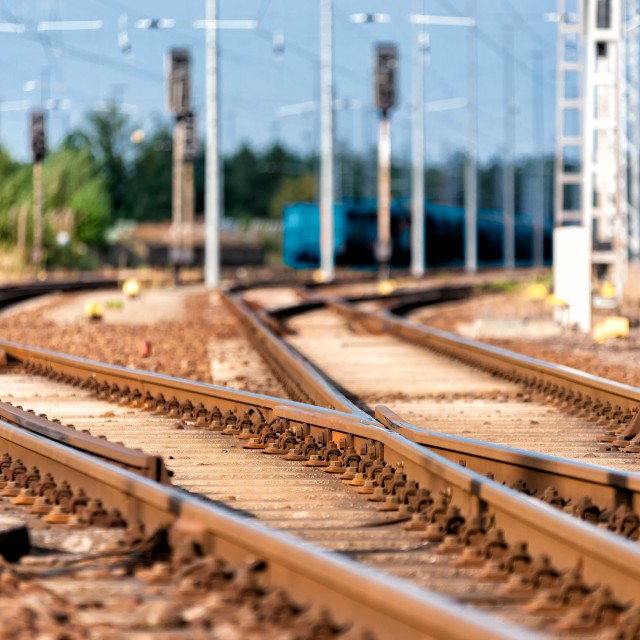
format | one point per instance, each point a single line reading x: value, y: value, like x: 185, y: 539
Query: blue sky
x: 85, y: 68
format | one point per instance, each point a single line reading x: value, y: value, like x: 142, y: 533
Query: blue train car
x: 356, y: 231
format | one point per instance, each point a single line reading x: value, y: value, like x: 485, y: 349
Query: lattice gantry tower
x: 596, y: 180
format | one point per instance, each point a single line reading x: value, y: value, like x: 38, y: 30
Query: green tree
x: 253, y: 178
x: 15, y: 191
x: 292, y: 189
x: 276, y: 165
x: 107, y: 139
x: 148, y: 192
x: 242, y: 198
x: 72, y: 181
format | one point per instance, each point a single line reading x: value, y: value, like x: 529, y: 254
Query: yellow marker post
x: 131, y: 288
x: 537, y: 291
x: 553, y: 301
x: 608, y: 290
x: 318, y: 276
x: 611, y: 327
x: 93, y: 310
x: 386, y: 287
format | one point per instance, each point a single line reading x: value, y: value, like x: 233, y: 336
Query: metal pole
x: 418, y: 248
x: 586, y: 164
x: 188, y: 209
x: 326, y: 141
x: 21, y: 240
x: 508, y: 190
x: 38, y: 201
x: 471, y: 170
x: 177, y: 193
x: 633, y: 116
x: 538, y: 163
x: 347, y: 189
x: 367, y: 159
x: 621, y: 223
x: 212, y: 170
x: 384, y: 198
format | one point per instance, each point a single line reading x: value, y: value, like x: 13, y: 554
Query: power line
x: 524, y: 22
x: 262, y: 11
x: 487, y: 39
x: 87, y: 55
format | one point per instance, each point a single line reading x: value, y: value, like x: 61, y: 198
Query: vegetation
x: 99, y: 177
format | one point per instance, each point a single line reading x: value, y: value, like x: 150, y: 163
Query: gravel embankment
x: 202, y: 342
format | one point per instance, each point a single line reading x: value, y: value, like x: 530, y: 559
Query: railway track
x: 585, y: 417
x: 413, y: 504
x: 255, y: 561
x: 466, y: 387
x: 14, y: 293
x: 439, y: 525
x: 435, y: 394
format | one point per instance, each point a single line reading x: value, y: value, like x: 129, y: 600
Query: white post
x: 326, y: 141
x: 470, y: 170
x: 418, y: 248
x: 383, y: 248
x: 212, y: 187
x: 508, y: 177
x: 38, y: 213
x: 572, y: 275
x: 586, y: 164
x: 633, y: 120
x: 538, y: 163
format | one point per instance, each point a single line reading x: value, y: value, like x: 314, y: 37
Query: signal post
x: 39, y: 149
x: 184, y: 152
x: 385, y: 92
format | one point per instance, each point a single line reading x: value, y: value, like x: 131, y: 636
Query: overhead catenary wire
x: 492, y: 43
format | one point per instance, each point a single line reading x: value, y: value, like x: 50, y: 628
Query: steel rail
x: 112, y: 381
x: 607, y: 488
x: 294, y: 371
x: 577, y: 387
x: 399, y: 301
x: 11, y: 294
x: 139, y: 462
x: 354, y: 595
x: 604, y: 557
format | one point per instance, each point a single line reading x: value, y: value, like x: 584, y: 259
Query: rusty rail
x: 354, y: 595
x: 138, y: 462
x: 399, y: 301
x: 112, y: 382
x: 11, y: 294
x: 581, y: 389
x: 535, y: 473
x: 295, y: 372
x: 607, y: 488
x: 604, y: 558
